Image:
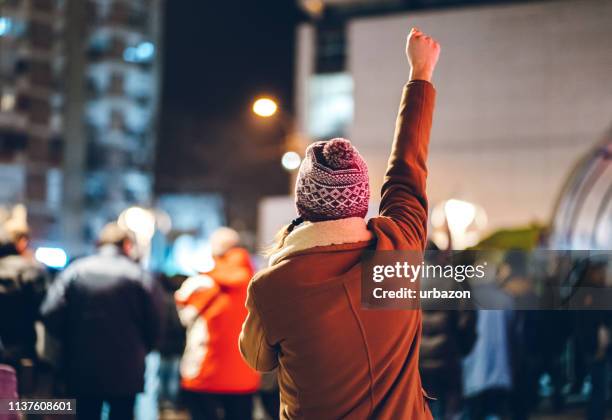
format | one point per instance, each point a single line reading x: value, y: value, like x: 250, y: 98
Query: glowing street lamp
x: 457, y: 224
x: 265, y: 107
x: 291, y: 160
x: 459, y: 215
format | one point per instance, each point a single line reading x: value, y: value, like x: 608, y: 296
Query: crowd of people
x: 299, y: 319
x: 508, y: 363
x: 105, y: 313
x: 108, y: 313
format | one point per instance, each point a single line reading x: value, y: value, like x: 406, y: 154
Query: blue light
x: 145, y: 51
x: 5, y: 25
x: 140, y: 53
x: 130, y: 55
x: 52, y: 257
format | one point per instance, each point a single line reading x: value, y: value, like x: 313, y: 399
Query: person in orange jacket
x: 214, y: 376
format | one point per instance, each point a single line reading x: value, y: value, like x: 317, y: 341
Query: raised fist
x: 422, y: 52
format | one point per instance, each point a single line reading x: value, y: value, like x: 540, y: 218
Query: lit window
x: 141, y: 53
x: 7, y: 102
x: 52, y: 257
x: 5, y: 26
x: 330, y: 109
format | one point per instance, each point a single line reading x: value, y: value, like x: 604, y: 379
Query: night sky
x: 218, y: 56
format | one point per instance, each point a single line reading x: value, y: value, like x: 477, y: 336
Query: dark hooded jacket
x: 106, y: 311
x: 22, y: 287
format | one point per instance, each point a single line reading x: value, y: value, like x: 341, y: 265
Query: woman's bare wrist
x: 420, y: 74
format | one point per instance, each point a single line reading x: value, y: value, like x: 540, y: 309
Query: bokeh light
x: 138, y: 220
x: 265, y: 107
x: 52, y: 257
x: 291, y: 161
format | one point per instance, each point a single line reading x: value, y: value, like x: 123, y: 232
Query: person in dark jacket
x: 592, y: 334
x: 448, y: 336
x: 22, y: 288
x: 171, y: 345
x: 106, y: 311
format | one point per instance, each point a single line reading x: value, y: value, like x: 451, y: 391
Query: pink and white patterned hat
x: 332, y: 182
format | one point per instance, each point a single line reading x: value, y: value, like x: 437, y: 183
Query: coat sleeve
x: 403, y: 193
x: 53, y: 308
x: 254, y: 346
x: 35, y: 280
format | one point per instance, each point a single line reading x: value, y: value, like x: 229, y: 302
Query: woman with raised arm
x: 335, y: 359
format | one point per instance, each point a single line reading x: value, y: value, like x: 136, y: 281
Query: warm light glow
x: 7, y: 102
x: 291, y: 161
x: 138, y: 220
x: 457, y: 224
x: 313, y: 7
x: 265, y: 107
x: 459, y: 215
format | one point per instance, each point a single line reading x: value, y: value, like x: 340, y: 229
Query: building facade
x: 31, y: 101
x: 80, y: 94
x: 120, y: 103
x: 513, y: 117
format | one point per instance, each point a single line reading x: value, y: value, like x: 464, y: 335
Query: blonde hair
x: 280, y: 237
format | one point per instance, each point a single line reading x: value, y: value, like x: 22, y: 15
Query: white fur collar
x: 331, y: 232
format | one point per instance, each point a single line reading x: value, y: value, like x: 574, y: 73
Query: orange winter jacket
x: 335, y: 359
x: 211, y: 306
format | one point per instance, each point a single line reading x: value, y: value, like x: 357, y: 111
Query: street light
x: 291, y: 160
x: 457, y: 224
x: 265, y: 107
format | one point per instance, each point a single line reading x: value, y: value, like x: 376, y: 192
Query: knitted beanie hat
x: 332, y: 182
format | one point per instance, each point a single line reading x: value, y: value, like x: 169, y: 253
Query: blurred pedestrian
x: 449, y: 334
x: 514, y: 279
x: 106, y: 311
x: 334, y: 358
x: 22, y: 288
x: 218, y: 384
x: 487, y: 370
x: 593, y: 335
x: 171, y: 345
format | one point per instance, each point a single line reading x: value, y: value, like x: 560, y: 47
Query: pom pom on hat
x: 339, y: 153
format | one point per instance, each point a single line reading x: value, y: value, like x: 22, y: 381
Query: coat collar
x: 316, y: 234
